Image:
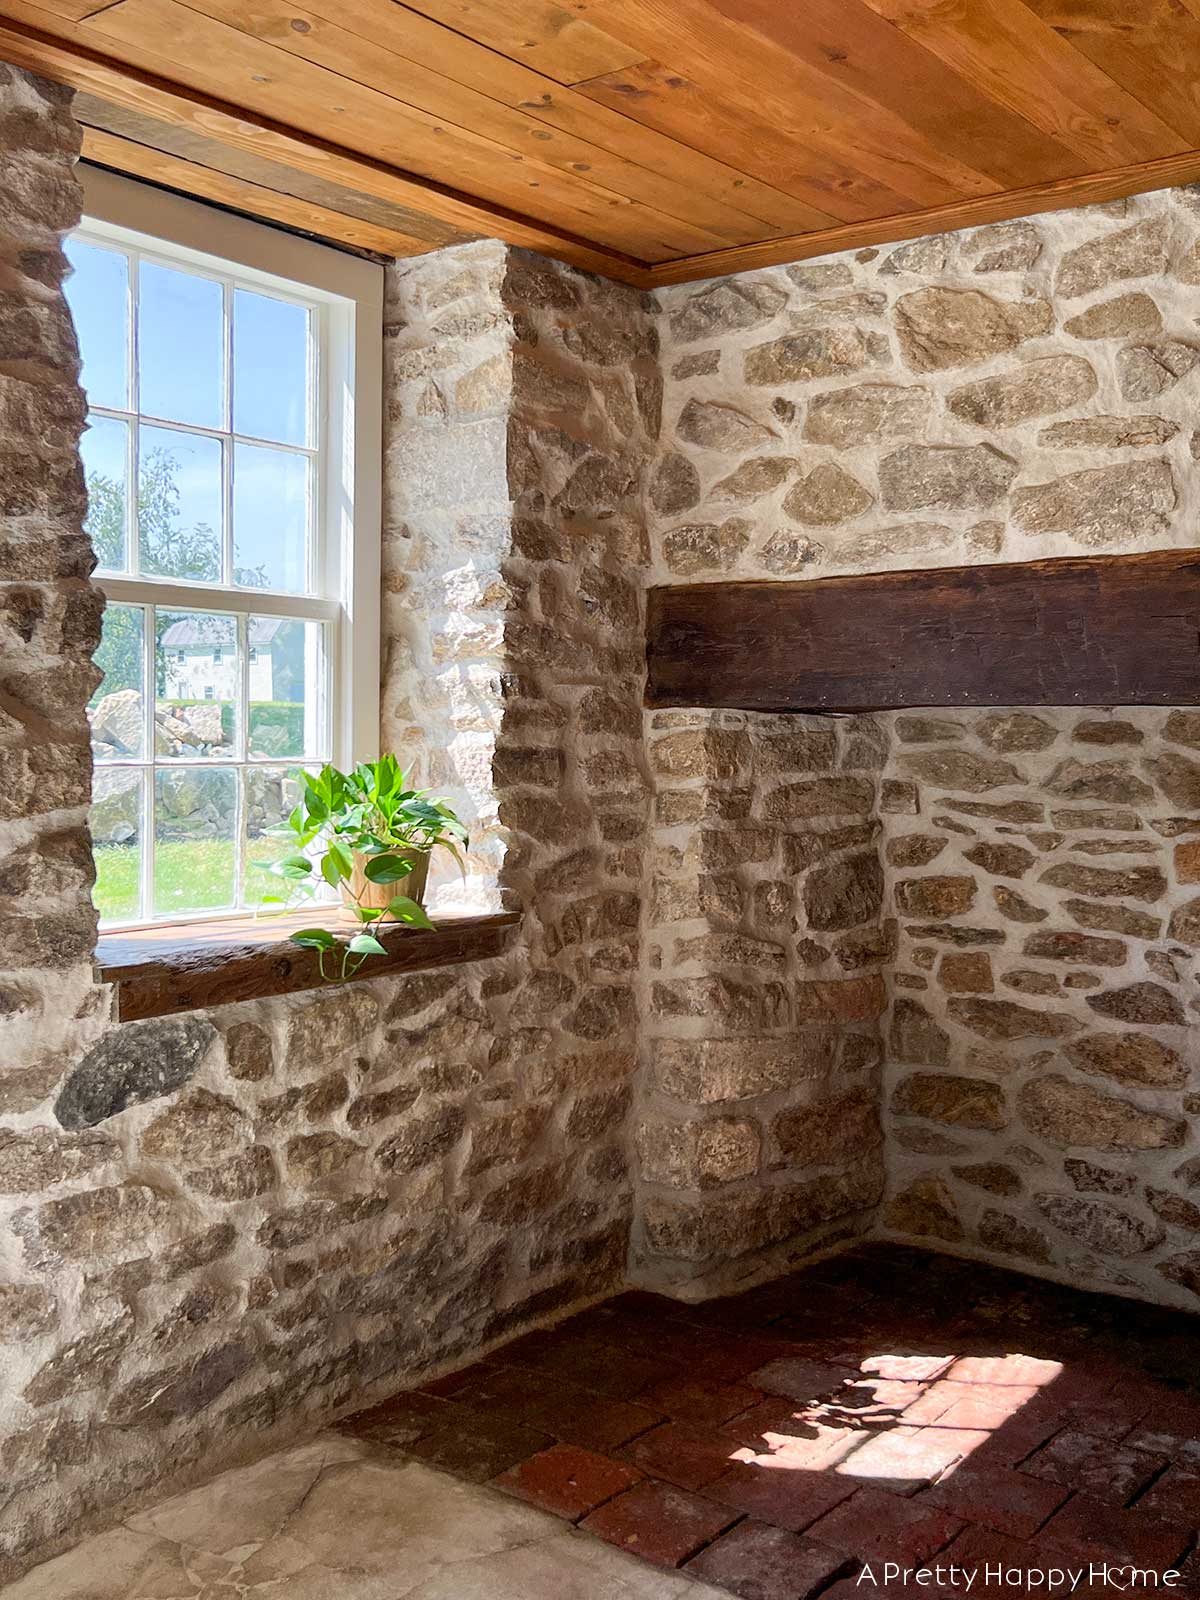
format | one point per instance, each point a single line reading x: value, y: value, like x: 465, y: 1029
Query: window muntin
x: 231, y: 398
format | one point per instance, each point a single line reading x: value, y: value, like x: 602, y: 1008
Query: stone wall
x: 758, y: 1126
x: 216, y: 1230
x: 1041, y: 1085
x: 1003, y: 394
x: 1013, y: 392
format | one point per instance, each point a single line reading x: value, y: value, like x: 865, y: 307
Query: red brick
x: 803, y: 1381
x: 786, y: 1496
x: 977, y: 1548
x: 567, y: 1480
x: 776, y: 1427
x: 1175, y: 1497
x: 695, y: 1400
x: 683, y: 1455
x: 970, y: 1405
x: 903, y: 1460
x: 763, y: 1563
x: 658, y: 1522
x: 727, y: 1357
x: 1026, y: 1371
x: 563, y: 1410
x: 874, y: 1399
x: 451, y: 1382
x: 399, y: 1420
x: 1099, y: 1467
x: 477, y: 1448
x: 884, y: 1527
x: 905, y: 1368
x: 1097, y: 1531
x: 1171, y: 1442
x: 998, y: 1497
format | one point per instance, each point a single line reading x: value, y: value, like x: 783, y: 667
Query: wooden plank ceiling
x: 655, y: 141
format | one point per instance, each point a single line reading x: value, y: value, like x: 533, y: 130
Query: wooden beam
x: 82, y: 67
x: 1100, y: 630
x: 158, y: 971
x: 205, y: 183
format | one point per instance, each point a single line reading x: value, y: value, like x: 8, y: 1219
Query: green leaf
x: 330, y: 869
x: 405, y: 910
x: 314, y: 938
x: 366, y: 913
x: 387, y: 869
x: 293, y: 867
x: 366, y: 944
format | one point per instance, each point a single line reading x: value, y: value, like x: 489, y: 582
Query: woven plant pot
x: 378, y: 896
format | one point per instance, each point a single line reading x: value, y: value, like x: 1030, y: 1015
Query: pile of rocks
x: 181, y: 729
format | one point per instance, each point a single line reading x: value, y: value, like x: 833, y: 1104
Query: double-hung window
x: 231, y: 460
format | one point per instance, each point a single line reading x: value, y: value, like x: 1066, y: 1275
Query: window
x: 232, y: 459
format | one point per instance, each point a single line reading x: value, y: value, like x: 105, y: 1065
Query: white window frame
x: 347, y: 293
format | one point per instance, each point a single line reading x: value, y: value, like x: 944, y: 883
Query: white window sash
x: 346, y: 294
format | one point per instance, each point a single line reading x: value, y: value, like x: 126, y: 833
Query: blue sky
x: 181, y: 342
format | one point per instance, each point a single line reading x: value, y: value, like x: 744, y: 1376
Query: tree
x: 167, y: 548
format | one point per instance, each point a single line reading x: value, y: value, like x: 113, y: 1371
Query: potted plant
x: 368, y: 836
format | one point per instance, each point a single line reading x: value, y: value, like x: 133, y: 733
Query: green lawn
x: 190, y: 875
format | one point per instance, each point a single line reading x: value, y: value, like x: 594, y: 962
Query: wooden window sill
x: 158, y: 971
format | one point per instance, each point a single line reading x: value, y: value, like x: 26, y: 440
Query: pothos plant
x: 363, y: 833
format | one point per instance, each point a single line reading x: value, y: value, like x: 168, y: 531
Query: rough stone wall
x: 1041, y: 1088
x: 1011, y: 392
x: 217, y: 1230
x: 758, y: 1130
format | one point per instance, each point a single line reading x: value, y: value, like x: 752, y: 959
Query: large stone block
x: 1074, y: 1114
x: 945, y: 328
x: 130, y: 1065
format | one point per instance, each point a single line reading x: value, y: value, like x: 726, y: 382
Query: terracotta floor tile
x: 1025, y: 1371
x: 879, y: 1527
x: 971, y: 1405
x: 1097, y: 1531
x: 567, y: 1480
x: 998, y: 1497
x: 694, y: 1400
x: 765, y: 1563
x: 1176, y: 1445
x: 785, y: 1496
x: 398, y: 1421
x: 451, y: 1382
x: 810, y: 1440
x: 681, y: 1454
x: 800, y: 1380
x: 564, y: 1410
x: 477, y: 1447
x: 903, y: 1460
x: 659, y: 1522
x: 1175, y: 1497
x: 1103, y: 1468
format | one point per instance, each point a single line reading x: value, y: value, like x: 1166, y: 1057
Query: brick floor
x: 887, y: 1405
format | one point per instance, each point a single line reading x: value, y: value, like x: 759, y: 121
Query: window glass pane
x: 270, y: 518
x: 115, y: 710
x: 271, y: 793
x: 181, y: 346
x: 270, y: 368
x: 180, y: 504
x: 197, y: 685
x: 286, y: 669
x: 195, y: 818
x: 105, y: 451
x: 98, y: 293
x: 116, y: 822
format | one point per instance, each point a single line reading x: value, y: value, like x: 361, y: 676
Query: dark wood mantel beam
x: 1100, y: 630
